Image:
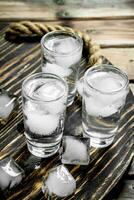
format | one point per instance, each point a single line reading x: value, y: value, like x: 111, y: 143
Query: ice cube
x: 65, y: 45
x: 40, y: 123
x: 59, y: 182
x: 94, y: 107
x: 109, y: 100
x: 76, y: 150
x: 55, y: 107
x: 106, y: 81
x: 30, y: 106
x: 51, y: 96
x: 11, y: 173
x: 79, y: 86
x: 50, y: 103
x: 69, y: 51
x: 67, y: 61
x: 56, y: 69
x: 8, y: 104
x: 110, y: 96
x: 50, y: 91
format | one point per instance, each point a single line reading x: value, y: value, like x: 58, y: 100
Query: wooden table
x: 110, y: 23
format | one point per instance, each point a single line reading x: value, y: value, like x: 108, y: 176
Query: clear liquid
x: 44, y: 145
x: 101, y: 111
x: 101, y: 130
x: 44, y: 120
x: 63, y: 63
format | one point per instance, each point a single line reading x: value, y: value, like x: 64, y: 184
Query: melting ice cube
x: 59, y: 182
x: 52, y: 91
x: 52, y: 96
x: 40, y: 123
x: 67, y: 50
x: 7, y: 105
x: 10, y: 173
x: 70, y: 50
x: 76, y: 150
x: 95, y: 107
x: 61, y: 71
x: 65, y: 45
x: 49, y: 91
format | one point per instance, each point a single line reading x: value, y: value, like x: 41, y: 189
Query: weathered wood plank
x: 107, y: 33
x: 124, y: 190
x: 122, y: 58
x: 127, y: 192
x: 116, y: 55
x: 15, y: 65
x: 45, y: 10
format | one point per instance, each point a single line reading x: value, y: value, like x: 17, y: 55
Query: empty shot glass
x: 44, y: 105
x: 61, y: 55
x: 105, y: 92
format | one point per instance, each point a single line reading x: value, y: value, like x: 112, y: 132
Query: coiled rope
x: 29, y: 29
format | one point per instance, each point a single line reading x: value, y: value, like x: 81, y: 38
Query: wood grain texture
x: 127, y: 190
x: 131, y: 170
x: 53, y: 10
x: 122, y: 58
x: 123, y: 191
x: 107, y: 165
x: 107, y: 33
x: 100, y: 32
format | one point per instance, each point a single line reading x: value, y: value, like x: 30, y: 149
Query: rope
x: 29, y: 29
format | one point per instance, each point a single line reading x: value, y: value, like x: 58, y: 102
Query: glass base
x: 99, y: 142
x: 43, y: 152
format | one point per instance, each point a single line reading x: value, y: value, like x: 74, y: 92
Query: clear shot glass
x: 44, y: 98
x: 105, y: 92
x: 61, y: 55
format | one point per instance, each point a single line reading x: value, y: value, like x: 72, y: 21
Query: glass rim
x: 76, y: 36
x: 106, y: 66
x: 39, y: 75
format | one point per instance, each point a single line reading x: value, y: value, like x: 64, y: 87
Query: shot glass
x: 44, y: 99
x: 61, y: 55
x: 105, y: 92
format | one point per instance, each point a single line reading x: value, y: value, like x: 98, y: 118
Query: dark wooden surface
x: 110, y: 23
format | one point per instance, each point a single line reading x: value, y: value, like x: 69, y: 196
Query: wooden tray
x: 106, y: 166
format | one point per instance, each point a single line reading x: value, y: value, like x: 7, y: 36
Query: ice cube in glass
x: 75, y: 150
x: 61, y: 55
x: 105, y: 92
x: 44, y: 99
